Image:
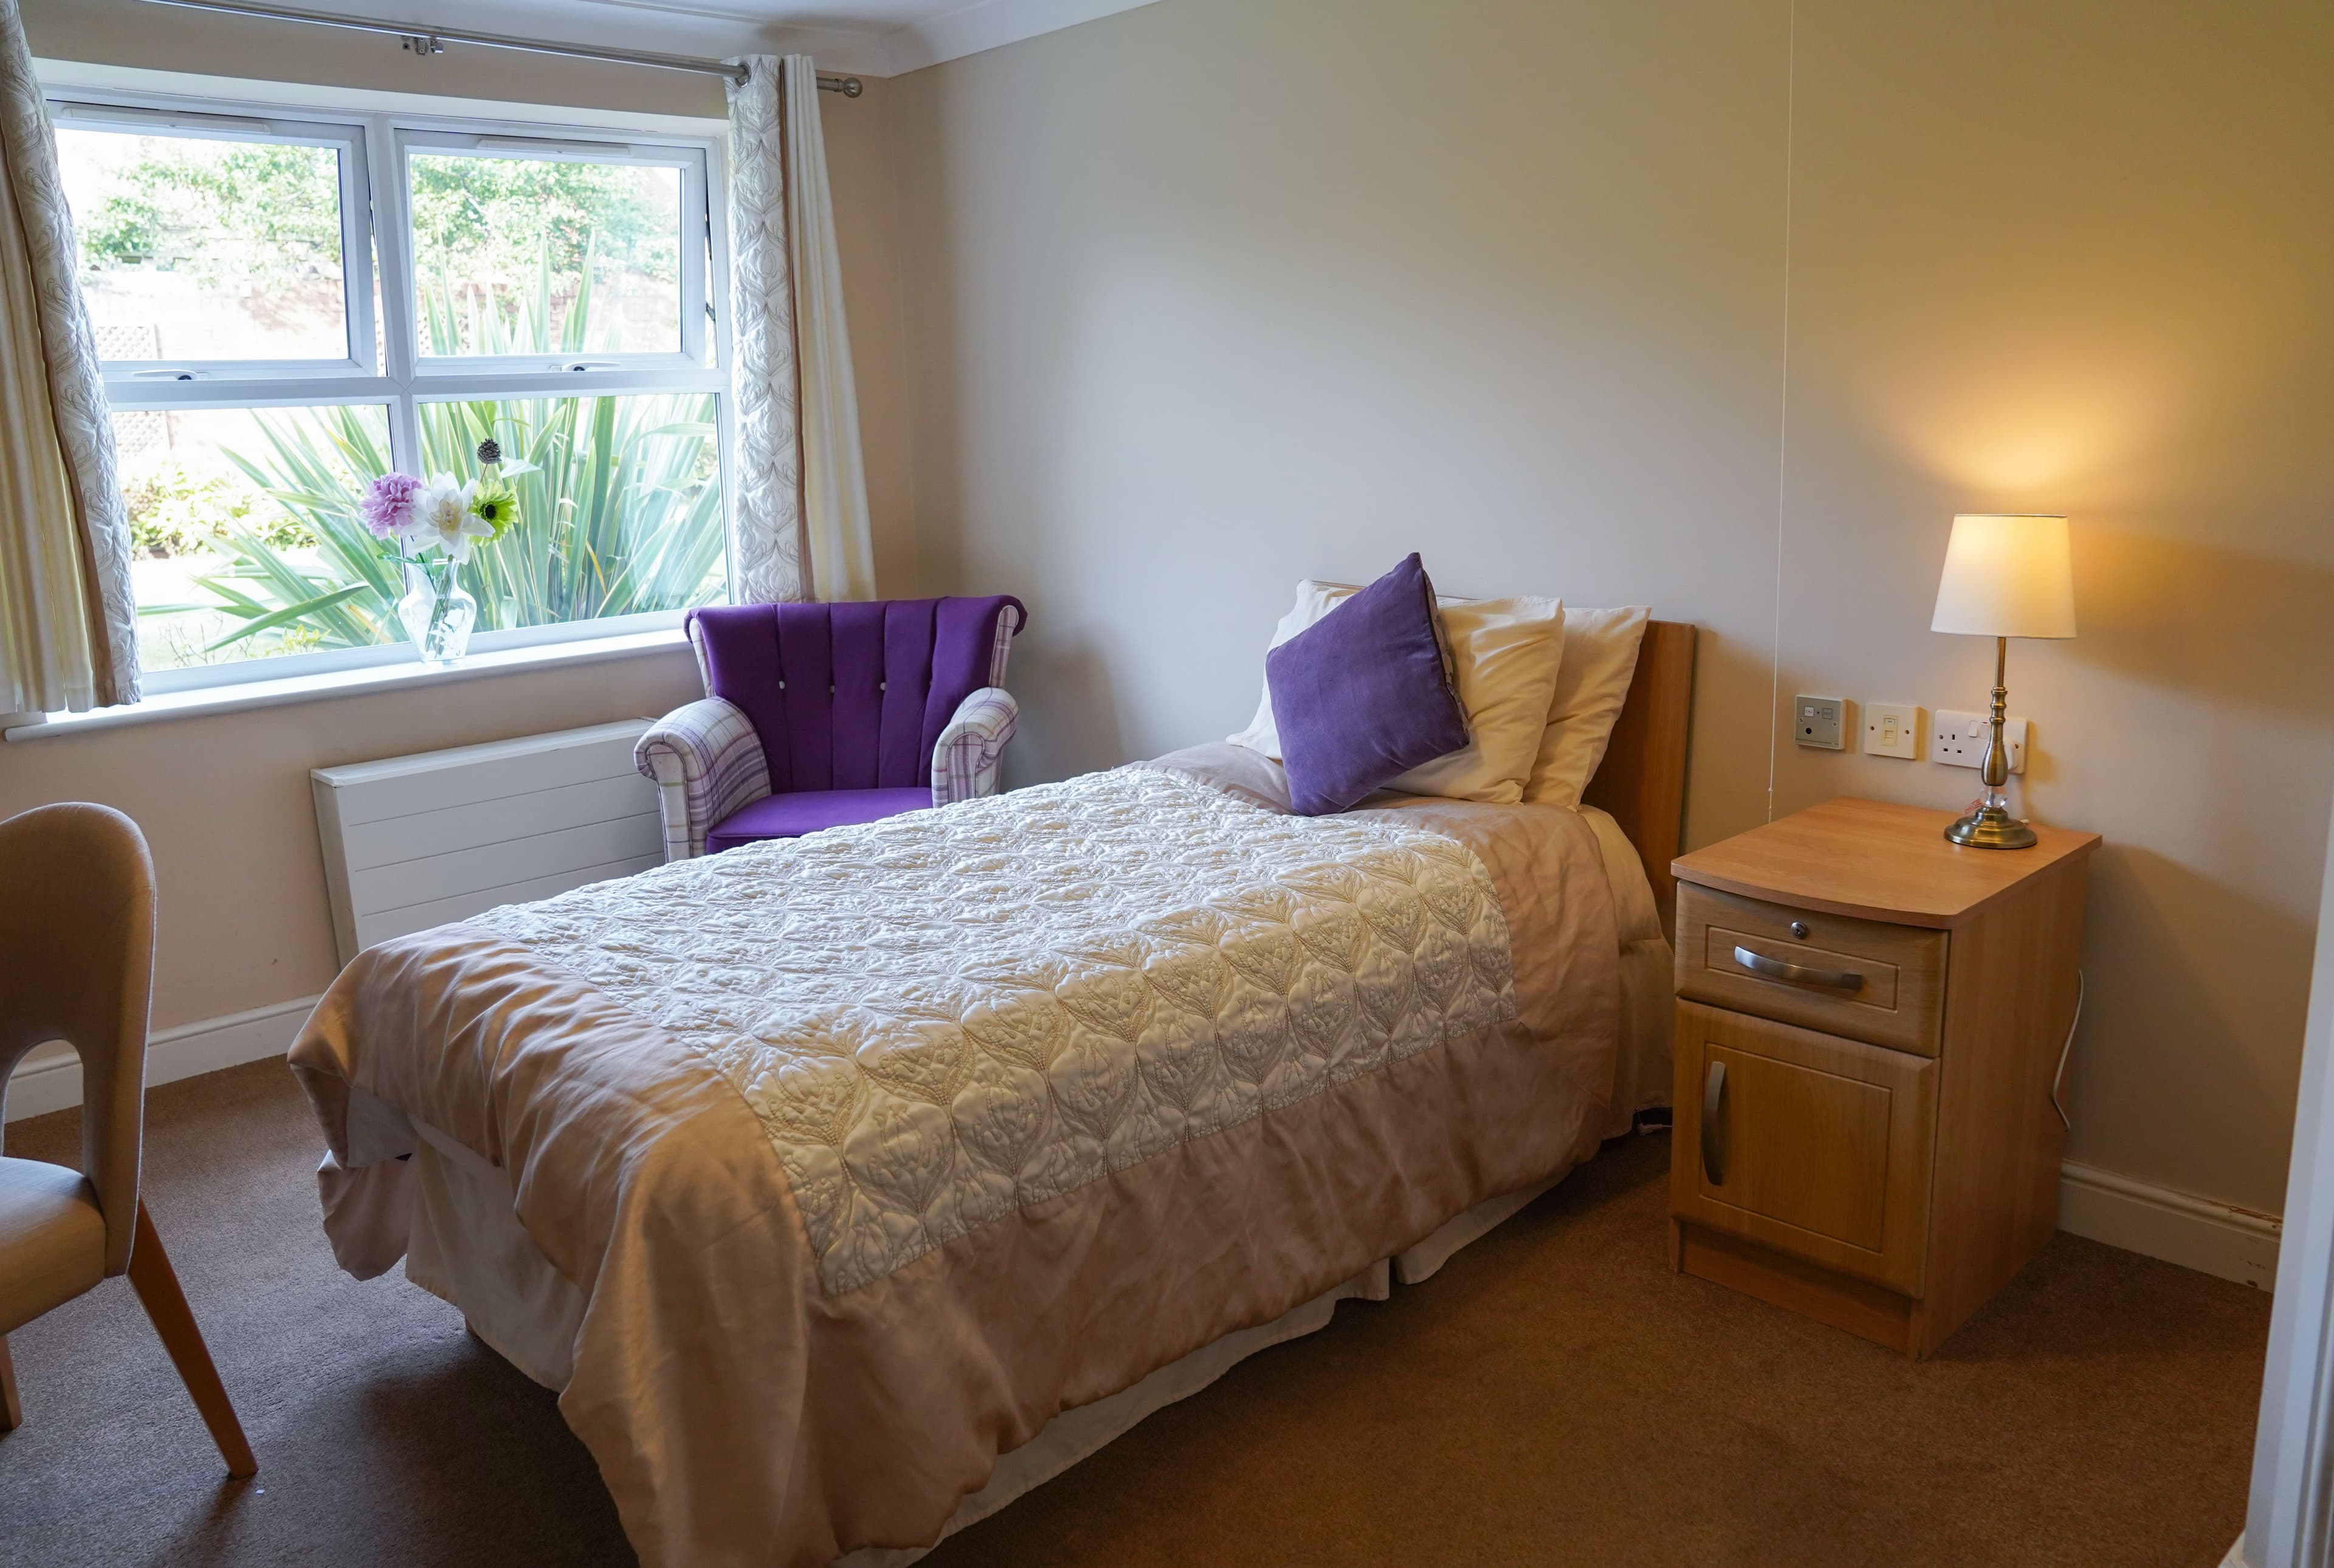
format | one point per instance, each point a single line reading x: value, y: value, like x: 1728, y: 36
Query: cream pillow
x: 1600, y: 659
x: 1505, y: 654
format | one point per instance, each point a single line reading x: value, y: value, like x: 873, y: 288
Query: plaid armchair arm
x: 706, y: 761
x: 965, y: 762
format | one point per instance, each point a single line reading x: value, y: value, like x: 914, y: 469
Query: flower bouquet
x: 430, y: 526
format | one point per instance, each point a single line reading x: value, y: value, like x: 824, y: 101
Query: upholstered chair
x: 816, y: 716
x: 76, y: 964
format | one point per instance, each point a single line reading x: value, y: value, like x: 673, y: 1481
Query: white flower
x: 443, y: 517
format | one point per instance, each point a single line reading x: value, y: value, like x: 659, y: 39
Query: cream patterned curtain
x: 68, y: 622
x: 799, y: 511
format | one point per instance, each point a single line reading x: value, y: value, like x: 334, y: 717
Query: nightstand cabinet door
x: 1813, y: 1145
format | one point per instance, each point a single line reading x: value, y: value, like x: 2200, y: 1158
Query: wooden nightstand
x: 1868, y: 1022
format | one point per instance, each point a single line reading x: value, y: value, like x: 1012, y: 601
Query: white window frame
x: 78, y: 113
x: 690, y: 163
x: 372, y: 221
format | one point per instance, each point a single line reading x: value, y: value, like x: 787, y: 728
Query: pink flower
x: 389, y: 505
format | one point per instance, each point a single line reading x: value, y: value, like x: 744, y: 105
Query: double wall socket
x: 1962, y: 738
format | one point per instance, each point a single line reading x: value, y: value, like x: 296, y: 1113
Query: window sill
x: 380, y: 678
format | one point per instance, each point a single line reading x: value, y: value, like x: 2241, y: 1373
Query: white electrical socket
x: 1892, y: 729
x: 1960, y: 739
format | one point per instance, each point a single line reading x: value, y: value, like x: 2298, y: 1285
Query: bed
x: 846, y: 1188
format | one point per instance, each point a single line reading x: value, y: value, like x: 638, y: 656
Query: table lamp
x: 2005, y: 577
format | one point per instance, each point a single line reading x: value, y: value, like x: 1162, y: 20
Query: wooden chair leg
x: 11, y: 1412
x: 166, y: 1304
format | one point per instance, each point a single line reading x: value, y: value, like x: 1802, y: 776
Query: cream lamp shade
x: 2007, y: 576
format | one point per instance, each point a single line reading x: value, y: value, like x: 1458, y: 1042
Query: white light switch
x: 1892, y: 729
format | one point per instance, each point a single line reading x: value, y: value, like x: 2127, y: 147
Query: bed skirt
x: 468, y: 1248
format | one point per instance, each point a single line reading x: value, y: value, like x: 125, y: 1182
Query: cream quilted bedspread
x: 951, y: 1015
x: 865, y: 1156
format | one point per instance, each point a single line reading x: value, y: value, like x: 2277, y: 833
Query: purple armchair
x: 816, y: 716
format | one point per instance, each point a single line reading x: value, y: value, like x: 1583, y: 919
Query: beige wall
x: 1219, y: 294
x: 1212, y: 296
x: 2080, y: 258
x: 224, y: 799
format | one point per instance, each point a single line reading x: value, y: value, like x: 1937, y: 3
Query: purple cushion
x: 1361, y: 696
x: 789, y: 816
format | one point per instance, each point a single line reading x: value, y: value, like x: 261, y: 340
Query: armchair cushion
x: 791, y: 815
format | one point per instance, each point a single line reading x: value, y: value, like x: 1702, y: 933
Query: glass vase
x: 436, y: 610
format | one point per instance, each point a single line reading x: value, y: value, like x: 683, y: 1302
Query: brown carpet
x: 1555, y: 1395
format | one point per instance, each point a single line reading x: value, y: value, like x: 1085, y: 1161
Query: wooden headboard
x: 1641, y: 780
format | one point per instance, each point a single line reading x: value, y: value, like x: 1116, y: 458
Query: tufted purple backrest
x: 853, y: 696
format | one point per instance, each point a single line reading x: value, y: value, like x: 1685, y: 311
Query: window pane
x: 195, y: 247
x: 239, y: 516
x: 619, y: 504
x: 534, y: 255
x: 250, y: 545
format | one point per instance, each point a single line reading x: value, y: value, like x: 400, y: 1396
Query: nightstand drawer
x: 1814, y: 1146
x: 1862, y: 979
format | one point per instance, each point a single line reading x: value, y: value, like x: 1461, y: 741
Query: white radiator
x: 414, y: 842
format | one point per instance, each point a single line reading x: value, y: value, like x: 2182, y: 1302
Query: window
x: 288, y: 306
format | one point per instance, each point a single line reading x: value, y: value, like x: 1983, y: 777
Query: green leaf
x: 288, y: 615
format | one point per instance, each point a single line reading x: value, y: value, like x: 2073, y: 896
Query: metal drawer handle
x: 1714, y: 1096
x: 1798, y: 973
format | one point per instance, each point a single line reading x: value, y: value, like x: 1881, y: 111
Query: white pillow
x: 1313, y: 602
x: 1505, y: 654
x: 1600, y: 659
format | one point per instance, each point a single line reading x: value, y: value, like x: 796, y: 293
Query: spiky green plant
x: 620, y: 503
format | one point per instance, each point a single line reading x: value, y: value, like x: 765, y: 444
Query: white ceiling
x: 873, y: 37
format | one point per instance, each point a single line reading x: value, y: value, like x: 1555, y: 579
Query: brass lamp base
x: 1991, y: 827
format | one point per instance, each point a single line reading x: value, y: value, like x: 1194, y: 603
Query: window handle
x: 588, y: 365
x: 142, y: 117
x: 539, y: 144
x: 167, y: 375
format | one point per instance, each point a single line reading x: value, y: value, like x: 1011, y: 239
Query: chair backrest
x: 854, y: 696
x: 77, y: 965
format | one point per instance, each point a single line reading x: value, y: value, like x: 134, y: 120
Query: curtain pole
x: 423, y: 40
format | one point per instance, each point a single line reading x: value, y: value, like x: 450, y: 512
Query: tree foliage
x: 489, y: 212
x: 266, y: 215
x: 171, y: 209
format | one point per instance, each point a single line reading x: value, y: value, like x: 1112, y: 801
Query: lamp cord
x: 2065, y: 1051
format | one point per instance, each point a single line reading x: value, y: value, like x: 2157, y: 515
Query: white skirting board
x: 2196, y: 1232
x: 50, y: 1078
